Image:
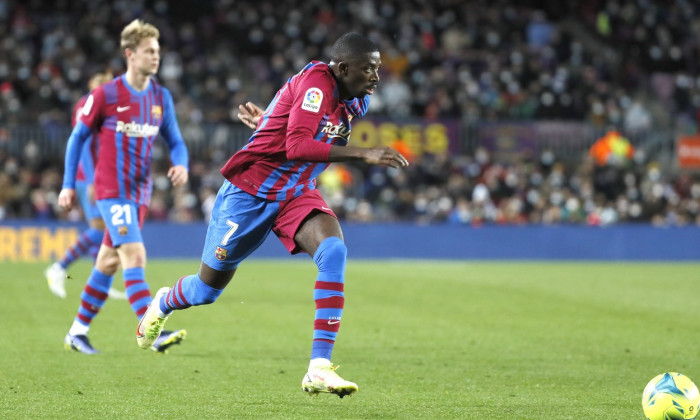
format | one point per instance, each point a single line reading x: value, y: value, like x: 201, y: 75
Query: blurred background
x: 511, y: 112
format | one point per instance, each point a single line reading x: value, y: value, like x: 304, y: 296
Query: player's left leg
x: 321, y: 237
x: 315, y: 230
x: 123, y: 220
x: 133, y: 258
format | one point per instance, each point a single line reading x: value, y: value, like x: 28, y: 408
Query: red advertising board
x: 688, y: 152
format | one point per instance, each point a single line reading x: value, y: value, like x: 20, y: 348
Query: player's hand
x: 66, y: 198
x: 250, y: 114
x: 385, y: 156
x: 178, y: 175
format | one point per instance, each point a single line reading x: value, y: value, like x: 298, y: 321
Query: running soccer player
x: 270, y: 185
x: 128, y: 113
x: 89, y: 240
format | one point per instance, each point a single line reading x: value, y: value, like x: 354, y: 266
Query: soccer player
x: 270, y: 185
x: 127, y: 113
x: 88, y: 241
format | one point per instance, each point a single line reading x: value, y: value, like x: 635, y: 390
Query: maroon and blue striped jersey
x: 127, y: 123
x: 290, y: 146
x: 88, y: 157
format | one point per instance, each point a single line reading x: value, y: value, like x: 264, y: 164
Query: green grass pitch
x: 474, y: 340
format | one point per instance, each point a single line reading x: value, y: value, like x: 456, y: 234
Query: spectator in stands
x: 600, y: 62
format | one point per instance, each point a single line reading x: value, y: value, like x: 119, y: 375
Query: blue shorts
x: 240, y: 223
x: 123, y: 219
x: 89, y: 208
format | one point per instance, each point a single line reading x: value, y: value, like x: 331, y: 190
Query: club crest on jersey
x: 312, y: 100
x: 156, y: 111
x: 220, y: 253
x: 122, y: 230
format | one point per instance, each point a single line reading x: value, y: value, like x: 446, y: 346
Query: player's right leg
x: 92, y: 299
x: 240, y: 223
x: 306, y: 223
x: 97, y: 224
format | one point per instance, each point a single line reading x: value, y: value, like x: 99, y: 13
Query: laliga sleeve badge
x: 312, y: 100
x: 220, y: 253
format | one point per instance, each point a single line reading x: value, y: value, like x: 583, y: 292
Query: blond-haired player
x: 128, y: 114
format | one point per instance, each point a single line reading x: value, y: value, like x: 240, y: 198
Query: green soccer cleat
x: 324, y: 379
x: 168, y: 339
x: 151, y: 324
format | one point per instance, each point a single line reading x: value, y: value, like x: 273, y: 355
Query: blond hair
x: 135, y: 32
x: 100, y: 79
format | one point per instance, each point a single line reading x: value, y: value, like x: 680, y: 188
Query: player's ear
x: 343, y: 67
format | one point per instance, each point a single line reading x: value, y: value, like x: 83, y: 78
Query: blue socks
x: 330, y: 258
x: 94, y: 296
x: 189, y: 291
x: 88, y: 242
x: 137, y: 290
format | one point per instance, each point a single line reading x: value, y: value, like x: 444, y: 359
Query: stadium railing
x: 567, y: 140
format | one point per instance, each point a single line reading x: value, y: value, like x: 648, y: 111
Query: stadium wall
x: 33, y: 241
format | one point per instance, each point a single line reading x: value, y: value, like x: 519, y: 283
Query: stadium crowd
x: 464, y: 190
x: 632, y: 64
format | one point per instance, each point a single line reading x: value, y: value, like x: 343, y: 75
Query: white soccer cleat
x: 116, y: 294
x: 324, y: 379
x: 152, y: 322
x: 56, y: 277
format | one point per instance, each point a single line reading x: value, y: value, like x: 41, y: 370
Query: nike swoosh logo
x: 122, y: 108
x: 331, y: 322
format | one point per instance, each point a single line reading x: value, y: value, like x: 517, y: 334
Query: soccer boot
x: 324, y: 379
x: 116, y: 294
x: 79, y: 343
x: 167, y: 339
x: 151, y: 323
x: 56, y: 277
